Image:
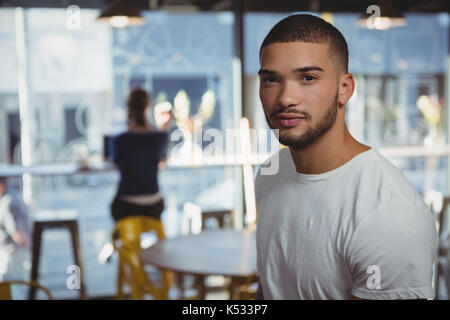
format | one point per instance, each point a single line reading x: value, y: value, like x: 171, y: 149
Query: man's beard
x: 312, y: 133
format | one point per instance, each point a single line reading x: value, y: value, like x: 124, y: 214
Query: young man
x: 338, y: 220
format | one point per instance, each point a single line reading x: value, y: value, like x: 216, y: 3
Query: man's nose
x: 289, y: 95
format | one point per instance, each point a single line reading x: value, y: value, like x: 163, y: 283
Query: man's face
x: 298, y: 91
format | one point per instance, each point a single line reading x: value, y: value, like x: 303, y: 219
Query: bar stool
x: 55, y: 219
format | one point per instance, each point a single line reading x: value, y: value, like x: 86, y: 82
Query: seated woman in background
x: 138, y: 154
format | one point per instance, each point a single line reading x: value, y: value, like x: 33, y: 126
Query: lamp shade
x: 121, y: 14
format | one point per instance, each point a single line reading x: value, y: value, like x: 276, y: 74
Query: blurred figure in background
x: 14, y: 227
x: 139, y: 153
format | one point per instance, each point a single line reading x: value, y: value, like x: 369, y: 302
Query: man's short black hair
x: 308, y: 28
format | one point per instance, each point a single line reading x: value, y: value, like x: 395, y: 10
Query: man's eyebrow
x: 300, y: 70
x: 309, y: 68
x: 267, y: 72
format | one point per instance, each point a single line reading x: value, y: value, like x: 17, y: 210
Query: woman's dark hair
x: 137, y: 102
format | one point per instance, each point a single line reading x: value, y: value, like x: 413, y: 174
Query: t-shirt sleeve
x: 392, y: 252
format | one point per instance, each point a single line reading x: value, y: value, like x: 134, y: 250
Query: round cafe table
x: 224, y: 252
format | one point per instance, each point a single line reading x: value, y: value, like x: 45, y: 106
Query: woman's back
x: 137, y: 155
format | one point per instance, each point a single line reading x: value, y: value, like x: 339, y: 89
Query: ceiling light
x: 121, y: 14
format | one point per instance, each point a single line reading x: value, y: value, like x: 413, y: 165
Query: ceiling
x: 424, y: 6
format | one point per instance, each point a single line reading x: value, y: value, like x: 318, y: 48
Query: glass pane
x: 78, y: 81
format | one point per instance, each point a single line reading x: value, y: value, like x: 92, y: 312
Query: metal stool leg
x: 36, y: 252
x: 77, y: 256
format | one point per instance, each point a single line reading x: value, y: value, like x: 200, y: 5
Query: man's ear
x: 346, y: 88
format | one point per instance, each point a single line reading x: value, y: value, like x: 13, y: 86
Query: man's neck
x: 331, y: 151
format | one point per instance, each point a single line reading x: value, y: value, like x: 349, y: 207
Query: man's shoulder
x: 277, y: 168
x: 273, y: 173
x: 378, y: 183
x: 281, y: 159
x: 380, y: 172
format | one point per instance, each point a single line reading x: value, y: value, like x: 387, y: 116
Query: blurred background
x: 65, y: 76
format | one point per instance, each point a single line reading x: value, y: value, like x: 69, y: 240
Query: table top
x: 223, y: 252
x: 70, y: 168
x: 52, y: 169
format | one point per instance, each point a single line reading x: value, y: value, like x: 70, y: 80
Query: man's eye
x: 269, y: 79
x: 309, y: 78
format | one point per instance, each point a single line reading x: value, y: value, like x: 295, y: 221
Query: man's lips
x: 289, y: 120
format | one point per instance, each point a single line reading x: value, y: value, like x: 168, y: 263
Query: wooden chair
x: 6, y: 292
x: 126, y: 241
x: 243, y: 288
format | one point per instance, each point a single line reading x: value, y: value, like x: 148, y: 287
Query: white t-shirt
x: 360, y: 229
